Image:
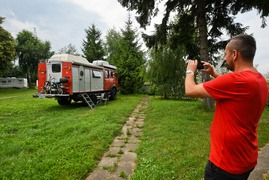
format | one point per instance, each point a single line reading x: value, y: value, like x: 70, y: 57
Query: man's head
x: 240, y: 45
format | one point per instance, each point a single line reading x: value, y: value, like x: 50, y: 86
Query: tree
x: 92, y: 46
x: 30, y: 52
x: 167, y: 66
x: 7, y: 50
x: 112, y: 46
x: 69, y: 49
x: 131, y: 62
x: 15, y: 71
x: 210, y: 18
x: 166, y: 71
x: 45, y: 52
x: 125, y: 53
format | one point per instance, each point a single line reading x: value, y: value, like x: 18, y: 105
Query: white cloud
x: 110, y: 12
x: 59, y: 30
x: 113, y: 14
x: 14, y: 25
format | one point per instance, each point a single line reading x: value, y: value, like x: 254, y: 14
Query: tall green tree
x: 31, y: 51
x: 210, y: 18
x: 125, y: 52
x: 93, y: 45
x: 7, y: 50
x: 131, y: 62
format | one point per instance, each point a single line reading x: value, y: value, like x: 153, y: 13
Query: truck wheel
x: 64, y: 101
x: 113, y: 94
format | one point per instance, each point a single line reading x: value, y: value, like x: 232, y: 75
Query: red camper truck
x: 67, y: 77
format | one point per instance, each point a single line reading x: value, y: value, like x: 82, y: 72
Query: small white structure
x: 13, y: 82
x: 104, y: 64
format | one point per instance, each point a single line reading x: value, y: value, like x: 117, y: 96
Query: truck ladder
x: 88, y: 100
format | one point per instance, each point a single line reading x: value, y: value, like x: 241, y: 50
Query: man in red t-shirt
x: 240, y: 97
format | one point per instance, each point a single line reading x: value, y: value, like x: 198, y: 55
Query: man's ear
x: 235, y: 54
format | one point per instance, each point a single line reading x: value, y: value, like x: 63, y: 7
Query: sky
x: 64, y: 21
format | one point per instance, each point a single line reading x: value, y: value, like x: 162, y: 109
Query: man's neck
x: 243, y: 66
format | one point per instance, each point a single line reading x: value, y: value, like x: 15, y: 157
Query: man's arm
x: 192, y: 89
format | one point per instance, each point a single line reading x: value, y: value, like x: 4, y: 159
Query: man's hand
x: 191, y: 89
x: 192, y: 65
x: 209, y: 70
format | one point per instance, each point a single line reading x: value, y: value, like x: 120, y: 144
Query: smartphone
x: 200, y: 65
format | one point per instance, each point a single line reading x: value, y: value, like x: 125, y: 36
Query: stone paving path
x: 119, y: 162
x: 261, y: 171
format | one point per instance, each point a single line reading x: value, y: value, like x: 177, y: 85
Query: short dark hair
x: 244, y: 44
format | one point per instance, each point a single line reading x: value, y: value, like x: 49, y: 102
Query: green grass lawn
x: 176, y: 140
x: 6, y: 93
x: 42, y: 140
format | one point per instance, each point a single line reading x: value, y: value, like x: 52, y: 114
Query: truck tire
x: 64, y: 101
x: 113, y: 94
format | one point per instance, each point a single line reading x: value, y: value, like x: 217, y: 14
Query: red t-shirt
x: 240, y: 100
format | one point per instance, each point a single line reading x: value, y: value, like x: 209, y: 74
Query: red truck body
x: 66, y: 77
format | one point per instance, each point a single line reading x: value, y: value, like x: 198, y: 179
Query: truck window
x: 111, y: 73
x: 107, y: 73
x: 56, y: 68
x: 96, y: 74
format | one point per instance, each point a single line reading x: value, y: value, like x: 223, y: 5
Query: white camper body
x: 13, y: 82
x: 86, y: 77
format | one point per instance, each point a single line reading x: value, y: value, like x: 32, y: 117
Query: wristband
x: 189, y: 72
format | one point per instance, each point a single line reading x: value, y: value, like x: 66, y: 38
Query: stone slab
x: 128, y: 157
x: 100, y: 174
x: 130, y: 147
x: 132, y: 118
x: 140, y: 120
x: 114, y: 177
x: 108, y: 161
x: 138, y: 134
x: 141, y: 116
x: 139, y: 125
x: 122, y: 137
x: 126, y: 167
x: 134, y: 130
x: 113, y: 150
x: 133, y: 140
x: 117, y: 143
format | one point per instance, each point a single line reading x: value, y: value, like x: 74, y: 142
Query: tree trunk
x: 29, y: 77
x: 202, y: 27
